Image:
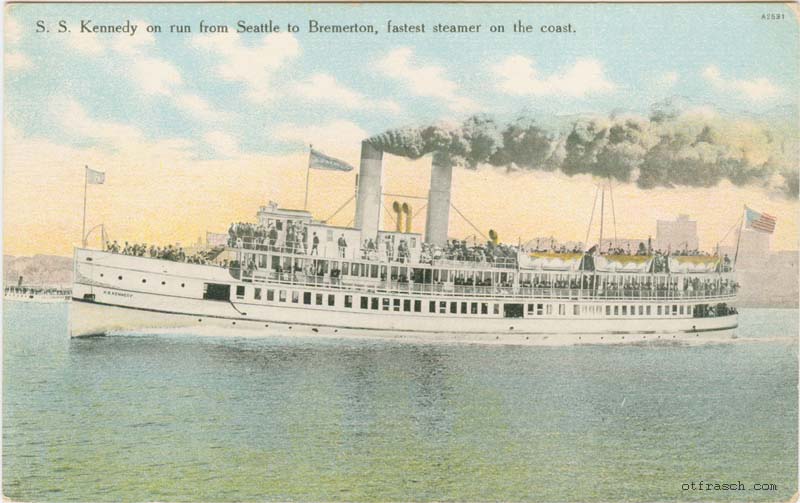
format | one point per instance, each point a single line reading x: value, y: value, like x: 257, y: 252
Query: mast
x: 85, y: 186
x: 308, y: 172
x: 602, y: 213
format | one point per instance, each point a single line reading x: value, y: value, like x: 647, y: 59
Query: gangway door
x: 512, y: 310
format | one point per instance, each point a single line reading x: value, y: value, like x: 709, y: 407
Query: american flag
x: 759, y: 221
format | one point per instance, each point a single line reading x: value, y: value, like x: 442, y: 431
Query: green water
x: 189, y: 418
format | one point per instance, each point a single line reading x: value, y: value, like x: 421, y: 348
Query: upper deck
x: 288, y: 247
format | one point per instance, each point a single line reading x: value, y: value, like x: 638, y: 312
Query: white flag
x: 95, y: 177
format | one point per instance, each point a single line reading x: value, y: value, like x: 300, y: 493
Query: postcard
x: 400, y: 252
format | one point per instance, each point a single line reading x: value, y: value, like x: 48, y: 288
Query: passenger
x: 315, y: 244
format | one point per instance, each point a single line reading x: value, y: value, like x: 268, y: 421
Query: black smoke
x: 669, y: 148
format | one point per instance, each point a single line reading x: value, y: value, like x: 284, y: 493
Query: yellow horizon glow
x: 154, y: 195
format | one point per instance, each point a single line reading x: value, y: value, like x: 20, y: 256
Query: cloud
x: 424, y: 80
x: 336, y: 137
x: 223, y: 144
x: 86, y: 43
x: 74, y: 118
x: 198, y: 107
x: 13, y: 31
x: 136, y: 44
x: 324, y: 88
x: 517, y: 75
x: 155, y: 75
x: 17, y: 61
x: 758, y: 89
x: 117, y: 137
x: 253, y: 66
x: 668, y: 79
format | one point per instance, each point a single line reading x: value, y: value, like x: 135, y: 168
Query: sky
x: 196, y: 130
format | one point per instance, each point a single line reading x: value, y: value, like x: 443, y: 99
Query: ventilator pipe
x: 399, y: 221
x: 407, y: 210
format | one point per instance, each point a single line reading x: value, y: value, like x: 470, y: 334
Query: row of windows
x: 458, y: 307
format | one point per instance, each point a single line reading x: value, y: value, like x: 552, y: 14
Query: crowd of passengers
x: 459, y: 251
x: 256, y: 236
x: 36, y: 290
x: 370, y: 250
x: 296, y: 240
x: 175, y: 253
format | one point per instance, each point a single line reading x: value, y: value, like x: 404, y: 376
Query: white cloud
x: 116, y: 137
x: 254, y: 66
x: 324, y: 88
x: 17, y: 61
x: 198, y: 107
x: 85, y: 43
x: 155, y: 75
x: 134, y: 45
x: 517, y: 75
x: 420, y: 79
x: 668, y: 79
x: 74, y: 118
x: 223, y: 144
x: 758, y: 89
x: 335, y: 137
x: 13, y: 30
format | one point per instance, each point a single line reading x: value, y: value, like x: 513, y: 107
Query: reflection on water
x: 181, y: 417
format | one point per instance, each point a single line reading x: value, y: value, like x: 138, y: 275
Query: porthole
x: 163, y: 282
x: 183, y: 285
x: 119, y: 278
x: 101, y: 274
x: 144, y: 280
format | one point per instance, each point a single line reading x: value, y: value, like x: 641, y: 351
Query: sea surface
x: 182, y: 417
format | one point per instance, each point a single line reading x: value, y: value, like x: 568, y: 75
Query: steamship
x: 297, y: 275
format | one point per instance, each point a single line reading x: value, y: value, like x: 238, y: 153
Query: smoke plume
x: 674, y: 146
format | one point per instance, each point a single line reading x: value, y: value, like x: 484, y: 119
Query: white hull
x: 89, y: 319
x: 115, y: 293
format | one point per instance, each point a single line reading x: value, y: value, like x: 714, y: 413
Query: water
x: 188, y: 418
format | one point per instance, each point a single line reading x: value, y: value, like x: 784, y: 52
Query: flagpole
x: 308, y: 172
x: 85, y: 185
x: 739, y: 239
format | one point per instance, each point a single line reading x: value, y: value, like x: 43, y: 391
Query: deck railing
x: 449, y: 290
